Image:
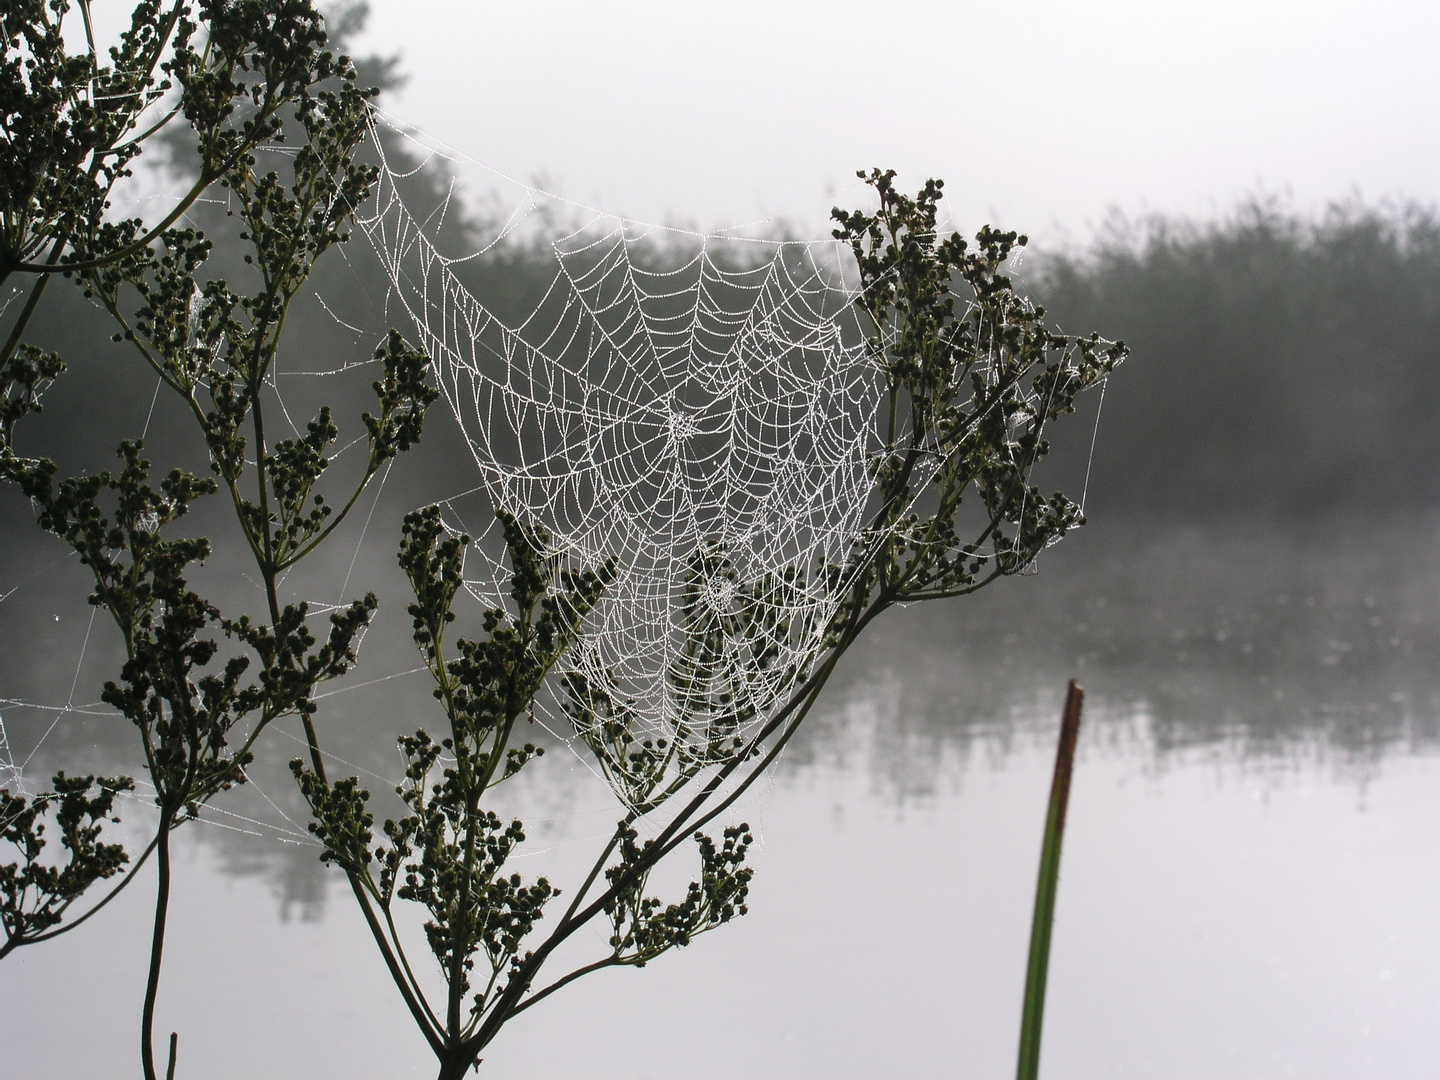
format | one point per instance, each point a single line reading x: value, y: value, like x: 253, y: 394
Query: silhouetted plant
x: 35, y: 895
x: 262, y: 64
x: 449, y: 853
x: 74, y: 123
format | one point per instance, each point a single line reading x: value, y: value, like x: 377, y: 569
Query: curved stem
x: 788, y: 717
x: 157, y: 946
x: 151, y: 130
x: 186, y: 201
x: 336, y: 520
x: 129, y: 877
x: 609, y: 961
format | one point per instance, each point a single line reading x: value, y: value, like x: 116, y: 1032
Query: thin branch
x: 609, y: 961
x: 128, y: 877
x: 207, y: 178
x: 23, y: 319
x: 401, y: 976
x: 594, y: 873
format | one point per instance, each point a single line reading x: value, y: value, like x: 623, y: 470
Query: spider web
x: 698, y: 411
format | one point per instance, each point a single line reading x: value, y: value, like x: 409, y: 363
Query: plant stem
x: 394, y: 957
x: 36, y: 291
x: 1028, y: 1067
x: 157, y: 947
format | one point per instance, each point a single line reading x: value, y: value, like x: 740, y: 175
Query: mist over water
x: 1227, y: 907
x: 1244, y: 889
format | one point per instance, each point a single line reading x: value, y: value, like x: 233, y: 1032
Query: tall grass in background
x: 1291, y: 362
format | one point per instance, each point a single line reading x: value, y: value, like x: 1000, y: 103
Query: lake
x: 1248, y: 885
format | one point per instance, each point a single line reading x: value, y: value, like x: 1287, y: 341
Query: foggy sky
x: 1040, y: 115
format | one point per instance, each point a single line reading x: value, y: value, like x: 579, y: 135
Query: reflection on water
x: 1247, y: 884
x: 1219, y: 916
x: 1255, y: 633
x: 1250, y: 632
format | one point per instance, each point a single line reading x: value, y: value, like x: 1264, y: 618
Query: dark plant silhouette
x: 199, y: 705
x: 35, y: 895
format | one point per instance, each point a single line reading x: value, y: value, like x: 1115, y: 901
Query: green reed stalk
x: 1045, y: 890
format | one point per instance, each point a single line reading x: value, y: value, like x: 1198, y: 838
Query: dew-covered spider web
x: 699, y: 411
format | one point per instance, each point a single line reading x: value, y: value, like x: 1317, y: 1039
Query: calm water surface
x: 1249, y: 881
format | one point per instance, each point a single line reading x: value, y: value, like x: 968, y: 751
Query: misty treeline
x: 1291, y: 364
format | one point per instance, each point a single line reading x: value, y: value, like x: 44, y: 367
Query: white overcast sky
x: 1039, y: 115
